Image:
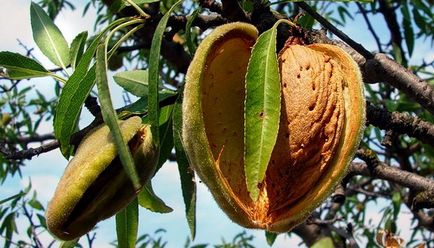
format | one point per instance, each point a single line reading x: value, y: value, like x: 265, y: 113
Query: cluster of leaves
x: 77, y: 87
x: 156, y: 240
x: 23, y: 204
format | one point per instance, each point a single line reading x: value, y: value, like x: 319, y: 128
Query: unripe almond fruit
x: 321, y: 124
x: 94, y: 185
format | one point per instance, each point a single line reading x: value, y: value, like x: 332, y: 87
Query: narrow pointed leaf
x: 69, y: 108
x: 110, y: 117
x: 77, y: 48
x: 48, y: 37
x: 149, y: 200
x: 154, y: 67
x: 188, y: 184
x: 134, y: 82
x: 21, y: 67
x: 127, y: 225
x: 166, y: 137
x: 262, y: 109
x: 408, y: 28
x: 16, y: 196
x: 72, y: 98
x: 190, y: 44
x: 68, y: 244
x: 270, y: 237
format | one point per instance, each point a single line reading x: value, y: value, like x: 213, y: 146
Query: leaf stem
x: 141, y: 12
x: 58, y: 78
x: 124, y: 37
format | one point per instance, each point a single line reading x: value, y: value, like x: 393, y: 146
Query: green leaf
x: 110, y: 117
x: 397, y: 54
x: 396, y: 201
x: 188, y: 185
x: 75, y: 92
x: 77, y: 48
x: 324, y: 243
x: 34, y: 203
x: 72, y: 98
x: 10, y: 227
x: 68, y: 244
x: 408, y: 28
x: 119, y: 5
x: 306, y: 21
x: 420, y: 21
x: 21, y: 67
x: 261, y: 110
x: 154, y: 67
x: 424, y: 7
x: 69, y: 107
x: 16, y: 196
x: 134, y: 82
x: 190, y: 44
x: 127, y: 225
x: 152, y: 202
x: 42, y: 220
x: 48, y: 37
x: 166, y: 137
x: 270, y: 237
x: 342, y: 11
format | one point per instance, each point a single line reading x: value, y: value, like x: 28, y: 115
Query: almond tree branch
x: 383, y: 69
x: 392, y: 174
x: 29, y: 153
x: 31, y: 139
x: 401, y: 123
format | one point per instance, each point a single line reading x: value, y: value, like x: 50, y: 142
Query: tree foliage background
x: 394, y: 164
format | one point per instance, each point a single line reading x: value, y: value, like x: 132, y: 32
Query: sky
x: 46, y: 169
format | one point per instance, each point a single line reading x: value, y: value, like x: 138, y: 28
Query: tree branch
x: 31, y: 139
x: 393, y: 174
x: 29, y: 153
x: 401, y: 123
x: 383, y: 69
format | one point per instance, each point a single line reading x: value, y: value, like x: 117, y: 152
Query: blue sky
x: 46, y: 169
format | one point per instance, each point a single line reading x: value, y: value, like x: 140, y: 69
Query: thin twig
x: 29, y: 153
x: 358, y: 47
x: 370, y: 27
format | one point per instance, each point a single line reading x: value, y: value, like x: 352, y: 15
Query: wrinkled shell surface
x: 321, y: 125
x: 94, y: 185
